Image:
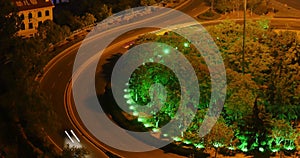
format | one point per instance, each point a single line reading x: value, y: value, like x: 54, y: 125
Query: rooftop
x: 32, y: 4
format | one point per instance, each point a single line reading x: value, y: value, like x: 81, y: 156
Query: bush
x: 208, y: 15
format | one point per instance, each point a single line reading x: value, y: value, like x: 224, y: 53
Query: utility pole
x: 244, y: 37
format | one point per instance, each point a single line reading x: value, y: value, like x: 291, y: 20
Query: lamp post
x: 244, y: 37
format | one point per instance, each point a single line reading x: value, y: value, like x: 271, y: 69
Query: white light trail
x: 75, y: 136
x: 69, y: 136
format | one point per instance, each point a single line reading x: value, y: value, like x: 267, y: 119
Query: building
x: 33, y: 13
x: 60, y: 1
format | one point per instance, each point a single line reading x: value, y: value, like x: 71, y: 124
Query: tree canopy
x: 261, y: 105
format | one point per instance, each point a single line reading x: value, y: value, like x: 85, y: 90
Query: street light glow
x: 186, y: 44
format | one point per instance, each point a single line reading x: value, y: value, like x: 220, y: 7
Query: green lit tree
x: 283, y: 80
x: 284, y: 137
x: 220, y: 136
x: 261, y: 105
x: 241, y: 96
x: 255, y: 130
x: 142, y: 80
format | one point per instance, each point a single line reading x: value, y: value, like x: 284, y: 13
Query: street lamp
x: 244, y: 37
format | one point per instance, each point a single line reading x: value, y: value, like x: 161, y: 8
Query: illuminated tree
x: 260, y: 105
x: 142, y: 80
x: 241, y: 96
x: 255, y: 130
x: 220, y: 136
x: 283, y: 136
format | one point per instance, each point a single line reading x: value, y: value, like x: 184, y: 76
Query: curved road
x: 58, y: 75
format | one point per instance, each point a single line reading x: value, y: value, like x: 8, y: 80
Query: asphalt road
x: 291, y: 3
x: 59, y: 73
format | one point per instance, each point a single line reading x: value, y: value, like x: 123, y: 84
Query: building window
x: 40, y: 23
x: 22, y: 26
x: 22, y: 17
x: 30, y: 26
x: 39, y: 14
x: 29, y: 15
x: 47, y: 13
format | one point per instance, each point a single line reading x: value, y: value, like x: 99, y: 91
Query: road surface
x: 58, y: 76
